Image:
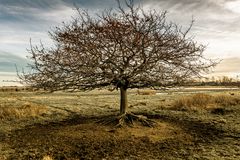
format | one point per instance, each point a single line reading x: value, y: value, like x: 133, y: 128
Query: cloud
x: 8, y: 62
x: 217, y: 23
x: 28, y: 16
x: 190, y: 4
x: 43, y: 4
x: 21, y: 20
x: 228, y: 67
x: 205, y: 12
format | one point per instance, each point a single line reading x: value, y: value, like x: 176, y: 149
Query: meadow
x: 190, y: 124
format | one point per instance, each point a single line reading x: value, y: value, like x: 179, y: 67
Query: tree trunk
x: 123, y: 100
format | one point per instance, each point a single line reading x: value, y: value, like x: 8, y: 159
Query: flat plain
x: 193, y: 124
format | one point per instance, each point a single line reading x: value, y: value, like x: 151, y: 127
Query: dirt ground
x: 65, y: 132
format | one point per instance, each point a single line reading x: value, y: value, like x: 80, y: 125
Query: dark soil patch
x: 82, y: 138
x: 221, y: 111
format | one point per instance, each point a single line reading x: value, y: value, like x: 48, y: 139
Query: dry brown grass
x: 227, y: 100
x: 24, y: 111
x: 146, y: 92
x: 205, y: 101
x: 47, y: 158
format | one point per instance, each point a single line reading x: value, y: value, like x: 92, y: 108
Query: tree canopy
x: 124, y: 48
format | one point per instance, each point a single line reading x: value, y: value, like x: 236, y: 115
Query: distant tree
x: 225, y: 80
x: 117, y: 49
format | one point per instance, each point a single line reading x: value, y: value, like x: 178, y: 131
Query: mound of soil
x: 83, y: 138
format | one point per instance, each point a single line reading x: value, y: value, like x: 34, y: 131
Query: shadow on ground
x: 80, y: 137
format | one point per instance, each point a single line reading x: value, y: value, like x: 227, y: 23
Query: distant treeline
x: 15, y: 88
x: 222, y: 81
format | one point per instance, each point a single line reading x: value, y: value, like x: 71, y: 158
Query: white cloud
x: 233, y: 6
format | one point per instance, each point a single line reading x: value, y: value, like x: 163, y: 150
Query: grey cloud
x: 34, y: 15
x: 189, y: 4
x: 213, y: 20
x: 205, y: 10
x: 8, y: 62
x: 44, y: 4
x: 22, y: 21
x: 54, y: 4
x: 91, y: 3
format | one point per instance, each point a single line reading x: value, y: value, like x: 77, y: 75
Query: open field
x: 38, y: 125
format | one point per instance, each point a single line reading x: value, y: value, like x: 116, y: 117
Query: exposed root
x: 127, y: 119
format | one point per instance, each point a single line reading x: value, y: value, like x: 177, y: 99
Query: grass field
x: 38, y: 125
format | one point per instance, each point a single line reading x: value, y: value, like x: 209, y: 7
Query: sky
x: 217, y: 25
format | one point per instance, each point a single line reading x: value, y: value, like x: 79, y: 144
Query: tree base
x: 127, y: 119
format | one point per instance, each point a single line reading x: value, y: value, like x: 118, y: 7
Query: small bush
x: 204, y: 101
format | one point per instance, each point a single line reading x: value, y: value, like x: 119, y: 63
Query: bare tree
x: 117, y: 49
